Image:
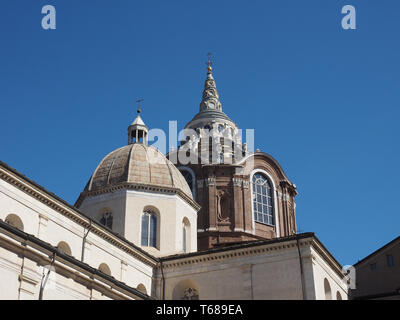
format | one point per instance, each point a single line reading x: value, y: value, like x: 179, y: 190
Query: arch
x: 64, y: 247
x: 105, y: 269
x: 186, y: 235
x: 274, y: 207
x: 141, y: 288
x: 15, y: 221
x: 106, y: 217
x: 150, y: 227
x: 268, y: 159
x: 338, y: 296
x: 190, y: 178
x: 327, y: 290
x: 186, y: 290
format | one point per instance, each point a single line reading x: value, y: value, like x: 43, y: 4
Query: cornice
x: 262, y: 248
x: 140, y: 187
x: 320, y: 248
x: 70, y: 212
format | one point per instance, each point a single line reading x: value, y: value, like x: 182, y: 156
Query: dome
x: 140, y: 164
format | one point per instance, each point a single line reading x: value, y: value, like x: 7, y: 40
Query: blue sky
x: 323, y: 101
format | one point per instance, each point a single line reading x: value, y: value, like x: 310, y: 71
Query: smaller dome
x: 138, y: 164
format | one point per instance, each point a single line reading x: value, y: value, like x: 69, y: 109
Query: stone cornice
x: 332, y: 262
x: 256, y: 248
x: 139, y: 187
x: 250, y: 249
x: 226, y: 255
x: 72, y: 213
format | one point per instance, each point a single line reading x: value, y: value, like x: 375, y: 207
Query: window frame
x: 273, y: 197
x: 184, y: 238
x: 151, y: 216
x: 390, y: 260
x: 190, y: 171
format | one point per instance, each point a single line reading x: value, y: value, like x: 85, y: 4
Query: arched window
x: 64, y: 247
x: 189, y: 177
x: 105, y: 269
x: 107, y: 219
x: 149, y: 229
x: 338, y: 295
x: 184, y: 238
x: 263, y: 206
x: 15, y: 221
x: 186, y: 235
x: 327, y: 289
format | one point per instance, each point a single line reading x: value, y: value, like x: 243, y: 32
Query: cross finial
x: 139, y: 107
x: 209, y: 62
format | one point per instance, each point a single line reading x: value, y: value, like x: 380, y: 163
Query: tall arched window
x: 184, y: 238
x: 186, y: 235
x: 149, y: 229
x: 189, y: 177
x: 263, y: 206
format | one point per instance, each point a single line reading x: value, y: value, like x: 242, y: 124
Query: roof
x: 74, y: 261
x: 378, y: 251
x: 92, y: 222
x: 247, y: 244
x: 138, y: 121
x: 177, y: 256
x: 316, y: 243
x: 140, y: 164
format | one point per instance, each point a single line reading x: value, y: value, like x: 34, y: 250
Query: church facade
x: 210, y: 220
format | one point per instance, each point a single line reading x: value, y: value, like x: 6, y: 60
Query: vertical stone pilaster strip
x: 238, y: 203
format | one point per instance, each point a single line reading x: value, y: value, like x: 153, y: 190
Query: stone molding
x: 210, y: 181
x: 140, y: 187
x: 237, y: 182
x: 75, y: 215
x: 310, y: 241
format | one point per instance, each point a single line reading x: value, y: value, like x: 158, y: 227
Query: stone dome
x: 139, y: 164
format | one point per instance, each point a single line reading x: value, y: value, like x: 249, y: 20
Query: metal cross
x: 139, y: 107
x: 209, y: 63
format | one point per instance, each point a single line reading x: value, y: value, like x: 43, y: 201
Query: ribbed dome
x: 140, y: 164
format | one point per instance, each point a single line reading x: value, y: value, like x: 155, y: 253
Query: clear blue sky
x: 323, y: 101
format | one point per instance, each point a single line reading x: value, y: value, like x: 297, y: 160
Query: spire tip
x: 209, y: 63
